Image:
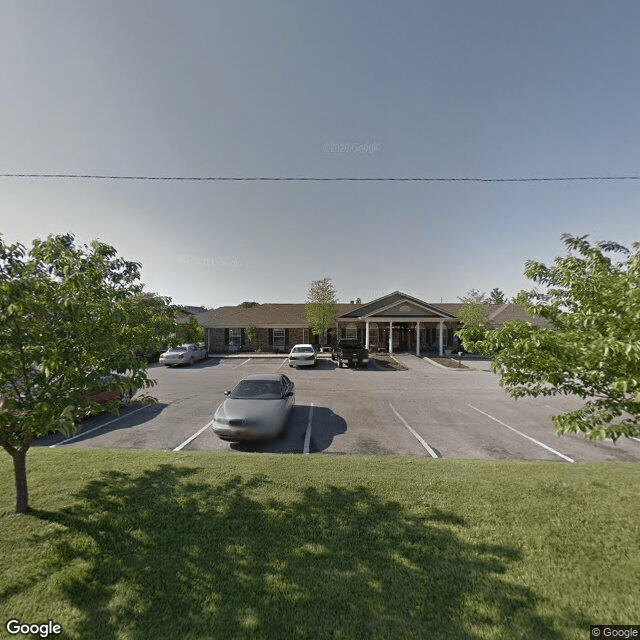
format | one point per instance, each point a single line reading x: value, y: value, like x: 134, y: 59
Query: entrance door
x: 402, y: 337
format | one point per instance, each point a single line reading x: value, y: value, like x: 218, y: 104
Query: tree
x: 475, y: 323
x: 190, y: 331
x: 590, y: 346
x: 474, y: 295
x: 68, y: 316
x: 252, y: 333
x: 320, y: 308
x: 497, y: 297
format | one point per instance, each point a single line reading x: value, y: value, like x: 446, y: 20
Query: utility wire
x: 78, y: 176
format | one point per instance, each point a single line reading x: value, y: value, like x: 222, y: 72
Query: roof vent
x: 351, y: 302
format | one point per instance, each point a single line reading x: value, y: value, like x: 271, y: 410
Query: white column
x: 366, y: 339
x: 391, y: 337
x: 440, y: 336
x: 417, y: 338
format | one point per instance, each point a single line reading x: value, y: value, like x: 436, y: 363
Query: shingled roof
x: 386, y: 302
x: 262, y: 316
x: 292, y: 315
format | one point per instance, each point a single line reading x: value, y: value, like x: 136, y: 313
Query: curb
x: 326, y: 356
x: 437, y: 364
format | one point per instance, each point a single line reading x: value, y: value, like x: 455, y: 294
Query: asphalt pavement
x: 425, y: 410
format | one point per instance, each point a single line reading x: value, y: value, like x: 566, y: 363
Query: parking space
x: 422, y: 411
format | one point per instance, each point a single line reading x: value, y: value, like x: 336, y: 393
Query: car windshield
x: 257, y: 390
x: 302, y: 350
x: 174, y: 349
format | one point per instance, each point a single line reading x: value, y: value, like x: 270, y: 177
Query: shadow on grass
x: 160, y: 556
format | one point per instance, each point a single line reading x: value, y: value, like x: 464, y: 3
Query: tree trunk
x: 19, y: 456
x: 20, y: 468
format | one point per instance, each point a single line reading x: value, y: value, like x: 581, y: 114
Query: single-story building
x: 395, y: 322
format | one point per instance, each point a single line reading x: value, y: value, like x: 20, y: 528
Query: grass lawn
x: 139, y: 544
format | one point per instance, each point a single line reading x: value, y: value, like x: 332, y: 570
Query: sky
x: 431, y: 89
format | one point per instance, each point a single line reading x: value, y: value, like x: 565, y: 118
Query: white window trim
x: 279, y: 337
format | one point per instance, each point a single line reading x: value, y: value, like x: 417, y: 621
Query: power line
x: 79, y: 176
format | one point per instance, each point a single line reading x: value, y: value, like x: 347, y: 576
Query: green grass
x: 137, y: 545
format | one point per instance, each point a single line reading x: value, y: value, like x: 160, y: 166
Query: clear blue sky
x: 306, y: 88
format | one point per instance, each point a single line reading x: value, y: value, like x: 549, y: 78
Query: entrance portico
x: 400, y: 322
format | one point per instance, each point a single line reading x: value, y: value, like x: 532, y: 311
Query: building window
x: 235, y: 339
x: 373, y: 333
x: 278, y: 338
x: 351, y: 332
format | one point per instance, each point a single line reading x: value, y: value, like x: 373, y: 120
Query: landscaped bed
x: 453, y: 362
x: 140, y: 544
x: 387, y: 362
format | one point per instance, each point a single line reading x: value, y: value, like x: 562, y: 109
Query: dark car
x: 350, y: 352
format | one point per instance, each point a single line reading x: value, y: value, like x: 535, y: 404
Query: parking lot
x: 422, y: 411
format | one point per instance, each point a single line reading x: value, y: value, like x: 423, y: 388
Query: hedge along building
x: 395, y: 322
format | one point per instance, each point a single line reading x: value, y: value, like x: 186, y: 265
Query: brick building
x: 395, y: 322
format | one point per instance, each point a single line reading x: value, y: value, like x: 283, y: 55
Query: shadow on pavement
x: 325, y: 426
x: 130, y: 416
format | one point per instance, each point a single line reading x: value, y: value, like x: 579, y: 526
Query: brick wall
x: 293, y: 336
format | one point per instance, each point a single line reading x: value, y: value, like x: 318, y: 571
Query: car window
x: 176, y: 349
x: 257, y: 390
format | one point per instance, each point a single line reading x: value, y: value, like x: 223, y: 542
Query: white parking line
x: 524, y: 435
x: 283, y: 362
x: 245, y: 362
x: 634, y: 438
x: 84, y: 433
x: 432, y: 453
x: 307, y: 435
x: 193, y: 437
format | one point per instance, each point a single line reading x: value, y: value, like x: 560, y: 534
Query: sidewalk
x: 254, y: 354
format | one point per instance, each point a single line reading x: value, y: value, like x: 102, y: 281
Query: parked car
x: 113, y: 386
x: 183, y: 354
x: 351, y: 353
x: 303, y: 355
x: 257, y: 408
x: 124, y: 392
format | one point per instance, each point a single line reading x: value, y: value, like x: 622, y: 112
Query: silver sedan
x: 256, y: 409
x: 183, y: 354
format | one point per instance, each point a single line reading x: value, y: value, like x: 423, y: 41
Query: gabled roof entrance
x: 397, y: 305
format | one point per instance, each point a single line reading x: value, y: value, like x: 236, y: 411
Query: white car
x: 183, y: 354
x: 303, y: 355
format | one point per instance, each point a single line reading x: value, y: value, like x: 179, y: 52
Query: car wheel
x: 339, y: 364
x: 125, y: 397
